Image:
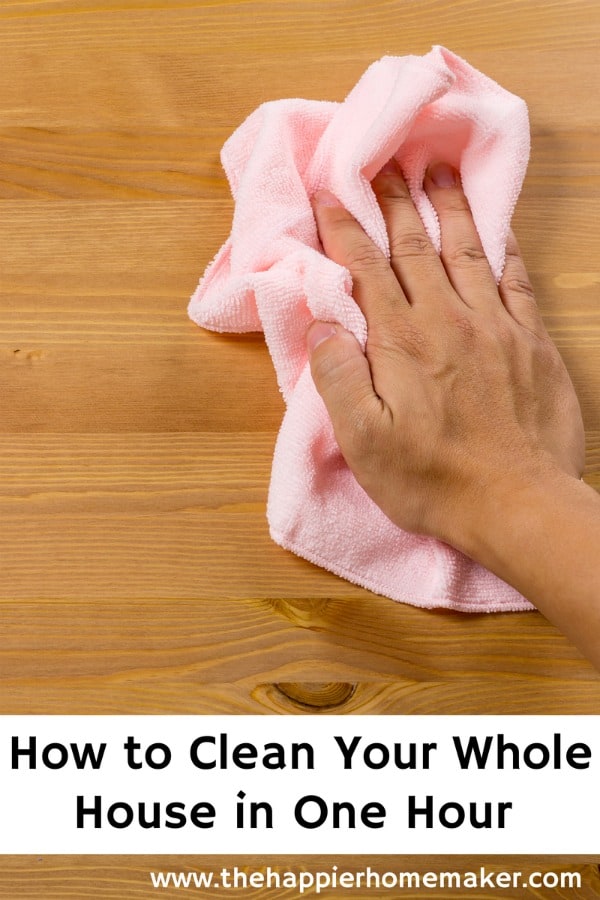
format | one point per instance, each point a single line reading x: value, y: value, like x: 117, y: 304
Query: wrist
x: 504, y: 509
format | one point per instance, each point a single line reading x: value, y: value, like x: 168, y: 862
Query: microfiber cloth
x: 271, y: 275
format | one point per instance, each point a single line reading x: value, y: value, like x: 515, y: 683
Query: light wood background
x: 136, y: 570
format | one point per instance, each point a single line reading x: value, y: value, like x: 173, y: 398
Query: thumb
x: 342, y: 376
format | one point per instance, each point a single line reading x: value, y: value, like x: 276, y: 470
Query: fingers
x: 414, y: 260
x: 341, y: 374
x: 516, y: 290
x: 415, y: 274
x: 374, y: 286
x: 463, y: 256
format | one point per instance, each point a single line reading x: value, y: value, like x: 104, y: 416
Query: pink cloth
x: 271, y: 275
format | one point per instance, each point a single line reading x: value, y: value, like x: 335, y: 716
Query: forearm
x: 542, y: 536
x: 460, y: 419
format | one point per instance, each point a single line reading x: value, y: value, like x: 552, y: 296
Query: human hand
x: 460, y: 386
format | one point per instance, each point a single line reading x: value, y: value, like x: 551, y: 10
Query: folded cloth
x: 271, y: 275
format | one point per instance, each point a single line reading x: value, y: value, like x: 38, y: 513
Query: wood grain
x: 91, y: 877
x: 137, y: 573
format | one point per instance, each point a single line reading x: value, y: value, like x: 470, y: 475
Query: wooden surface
x: 137, y: 574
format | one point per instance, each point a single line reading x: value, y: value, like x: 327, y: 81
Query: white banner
x: 300, y: 784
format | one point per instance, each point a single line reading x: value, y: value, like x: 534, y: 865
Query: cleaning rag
x: 272, y: 276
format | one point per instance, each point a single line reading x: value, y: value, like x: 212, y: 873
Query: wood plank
x: 136, y: 382
x: 82, y: 163
x: 91, y: 249
x: 294, y: 26
x: 103, y: 878
x: 168, y: 163
x: 257, y: 641
x: 103, y: 87
x: 180, y: 690
x: 138, y: 556
x: 150, y: 516
x: 103, y: 320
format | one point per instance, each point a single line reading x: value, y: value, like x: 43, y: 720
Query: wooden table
x: 137, y: 573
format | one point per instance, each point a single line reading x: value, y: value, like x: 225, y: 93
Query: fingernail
x: 325, y: 198
x: 442, y: 174
x: 317, y: 333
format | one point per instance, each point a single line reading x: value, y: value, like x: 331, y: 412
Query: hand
x: 460, y: 386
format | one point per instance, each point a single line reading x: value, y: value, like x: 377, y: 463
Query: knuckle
x: 468, y: 332
x: 321, y: 369
x: 357, y: 430
x: 413, y: 244
x: 520, y: 285
x: 551, y: 358
x: 503, y: 335
x: 364, y: 256
x: 464, y: 326
x: 328, y: 369
x: 362, y: 432
x: 463, y: 255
